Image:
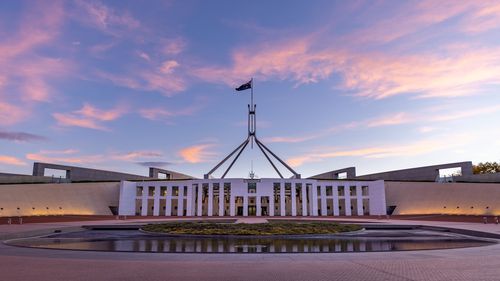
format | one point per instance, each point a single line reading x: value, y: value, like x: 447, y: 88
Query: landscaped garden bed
x: 272, y: 228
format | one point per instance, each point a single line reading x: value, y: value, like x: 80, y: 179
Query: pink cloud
x: 173, y: 46
x: 26, y: 76
x: 64, y: 156
x: 69, y: 120
x: 291, y: 59
x: 168, y: 66
x: 161, y: 78
x: 88, y: 117
x: 155, y: 113
x: 134, y: 155
x: 11, y: 114
x: 144, y: 56
x: 392, y: 150
x: 197, y: 153
x: 290, y: 139
x: 160, y: 113
x: 9, y: 160
x: 90, y: 111
x: 396, y: 119
x: 104, y: 18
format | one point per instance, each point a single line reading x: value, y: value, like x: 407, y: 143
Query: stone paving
x: 481, y: 263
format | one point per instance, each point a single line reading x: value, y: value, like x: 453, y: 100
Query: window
x: 364, y: 190
x: 450, y: 172
x: 341, y: 191
x: 329, y: 191
x: 163, y: 176
x: 139, y: 190
x: 151, y: 191
x: 252, y: 187
x: 175, y: 191
x: 352, y: 190
x: 163, y: 191
x: 342, y: 175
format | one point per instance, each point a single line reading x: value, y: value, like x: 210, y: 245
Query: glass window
x: 252, y: 187
x: 364, y: 190
x: 329, y: 191
x: 139, y: 190
x: 175, y: 191
x: 151, y: 191
x: 341, y: 191
x: 163, y: 191
x: 352, y: 190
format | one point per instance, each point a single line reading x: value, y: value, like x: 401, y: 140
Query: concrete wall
x: 333, y: 175
x: 428, y: 173
x: 85, y: 174
x: 443, y: 198
x: 171, y: 175
x: 478, y: 178
x: 13, y: 179
x: 61, y: 199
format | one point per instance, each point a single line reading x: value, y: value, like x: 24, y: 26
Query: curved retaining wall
x: 58, y: 199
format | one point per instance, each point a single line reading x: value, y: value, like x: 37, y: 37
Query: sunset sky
x: 123, y: 85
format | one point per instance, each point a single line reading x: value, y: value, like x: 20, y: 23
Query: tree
x: 486, y: 168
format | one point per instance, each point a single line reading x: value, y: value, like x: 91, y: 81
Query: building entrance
x: 252, y: 210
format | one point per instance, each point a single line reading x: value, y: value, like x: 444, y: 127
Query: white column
x: 168, y: 202
x: 282, y: 200
x: 359, y: 200
x: 245, y: 205
x: 180, y: 202
x: 145, y: 195
x: 258, y: 211
x: 335, y: 200
x: 271, y: 205
x: 210, y: 200
x: 314, y: 197
x: 323, y: 200
x: 156, y: 202
x: 304, y: 200
x: 221, y: 199
x: 347, y: 194
x: 232, y: 205
x: 200, y: 200
x: 189, y: 206
x: 294, y: 200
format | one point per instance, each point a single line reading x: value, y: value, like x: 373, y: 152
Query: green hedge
x: 272, y: 228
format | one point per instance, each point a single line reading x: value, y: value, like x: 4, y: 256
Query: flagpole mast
x: 252, y: 112
x: 252, y: 136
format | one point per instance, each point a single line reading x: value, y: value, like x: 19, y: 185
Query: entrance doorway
x: 240, y: 211
x: 252, y: 210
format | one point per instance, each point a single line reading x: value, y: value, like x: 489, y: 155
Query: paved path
x: 251, y: 220
x: 476, y: 264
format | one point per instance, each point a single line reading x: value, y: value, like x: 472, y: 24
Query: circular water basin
x: 364, y: 241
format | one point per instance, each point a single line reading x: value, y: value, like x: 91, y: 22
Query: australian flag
x: 245, y: 86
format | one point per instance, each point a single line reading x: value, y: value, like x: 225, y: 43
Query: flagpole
x: 253, y: 113
x: 251, y: 88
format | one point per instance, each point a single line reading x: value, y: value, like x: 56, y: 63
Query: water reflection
x: 247, y: 245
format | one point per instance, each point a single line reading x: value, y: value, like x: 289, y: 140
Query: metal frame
x: 252, y: 136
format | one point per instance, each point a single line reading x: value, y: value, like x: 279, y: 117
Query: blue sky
x: 120, y: 85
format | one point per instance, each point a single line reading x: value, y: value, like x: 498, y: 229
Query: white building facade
x: 252, y: 197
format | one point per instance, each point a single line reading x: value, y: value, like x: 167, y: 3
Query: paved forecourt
x: 481, y: 263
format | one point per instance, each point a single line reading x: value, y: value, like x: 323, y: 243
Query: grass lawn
x: 271, y: 228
